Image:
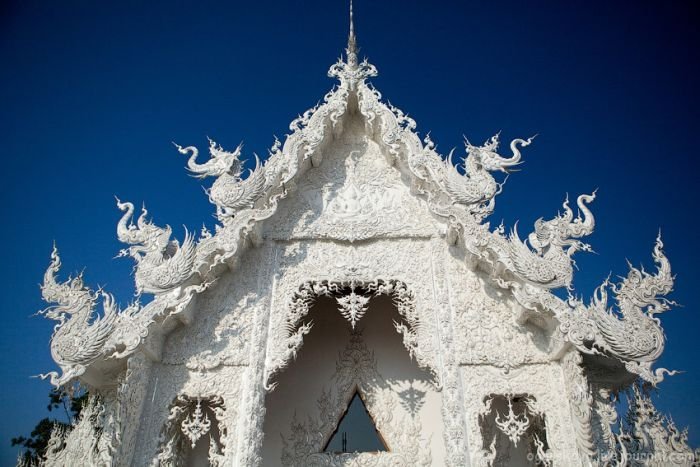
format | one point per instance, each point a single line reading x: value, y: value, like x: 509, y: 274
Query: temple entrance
x: 353, y: 392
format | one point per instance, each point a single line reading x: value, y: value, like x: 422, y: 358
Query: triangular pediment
x: 353, y: 192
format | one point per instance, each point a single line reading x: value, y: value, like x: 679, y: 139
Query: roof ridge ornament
x: 351, y: 71
x: 351, y: 50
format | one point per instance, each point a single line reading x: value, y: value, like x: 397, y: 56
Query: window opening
x: 356, y: 431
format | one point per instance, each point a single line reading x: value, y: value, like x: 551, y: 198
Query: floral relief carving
x: 160, y: 434
x: 452, y: 385
x: 359, y: 194
x: 485, y: 317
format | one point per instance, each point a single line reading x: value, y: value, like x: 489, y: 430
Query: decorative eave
x: 175, y: 273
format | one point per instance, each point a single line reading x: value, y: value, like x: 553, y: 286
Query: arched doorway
x: 339, y: 363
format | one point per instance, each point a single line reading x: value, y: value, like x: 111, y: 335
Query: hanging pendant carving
x: 196, y: 425
x: 188, y: 422
x: 522, y: 423
x: 513, y: 426
x: 353, y: 306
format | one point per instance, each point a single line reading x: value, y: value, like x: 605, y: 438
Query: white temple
x: 356, y: 261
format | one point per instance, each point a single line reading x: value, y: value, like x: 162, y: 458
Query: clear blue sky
x: 93, y: 94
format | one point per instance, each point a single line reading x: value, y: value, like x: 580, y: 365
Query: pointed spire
x: 350, y: 71
x: 351, y: 50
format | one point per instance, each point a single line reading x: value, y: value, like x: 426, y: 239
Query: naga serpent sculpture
x: 161, y: 264
x: 550, y: 265
x: 229, y: 192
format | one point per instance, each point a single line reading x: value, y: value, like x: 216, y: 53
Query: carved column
x: 580, y: 398
x: 131, y: 397
x: 455, y: 433
x: 252, y: 408
x: 604, y: 417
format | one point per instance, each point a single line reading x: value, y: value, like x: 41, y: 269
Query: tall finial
x: 351, y: 51
x: 350, y: 71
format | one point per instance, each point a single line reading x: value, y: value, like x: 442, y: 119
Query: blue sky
x: 93, y: 94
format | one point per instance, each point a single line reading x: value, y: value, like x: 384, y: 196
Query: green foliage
x: 34, y: 446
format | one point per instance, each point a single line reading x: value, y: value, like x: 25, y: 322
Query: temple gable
x: 354, y: 194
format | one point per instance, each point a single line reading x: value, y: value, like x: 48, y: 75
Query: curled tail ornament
x: 229, y: 192
x: 79, y: 336
x: 628, y: 331
x: 489, y: 157
x: 477, y: 187
x: 545, y: 260
x: 161, y: 264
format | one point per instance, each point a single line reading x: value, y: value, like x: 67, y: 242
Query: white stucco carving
x: 356, y: 208
x: 230, y: 193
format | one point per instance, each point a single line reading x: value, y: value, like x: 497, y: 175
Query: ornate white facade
x: 358, y: 259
